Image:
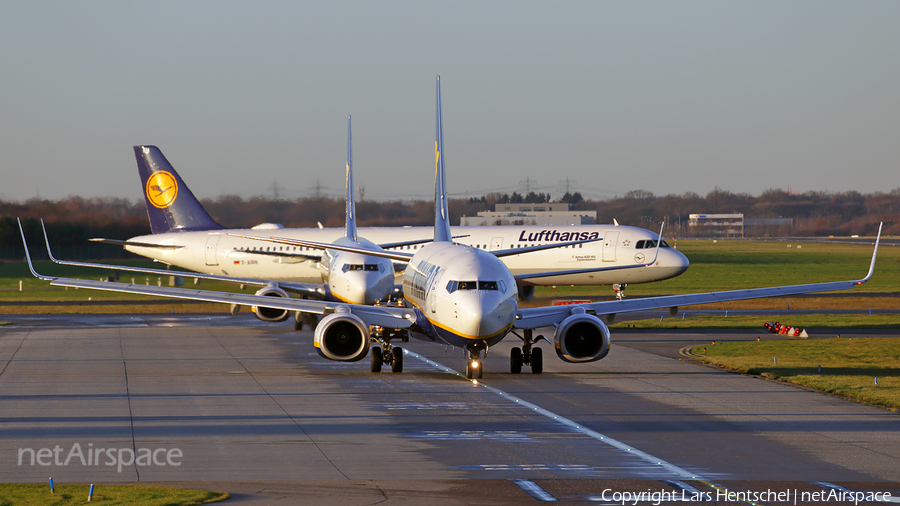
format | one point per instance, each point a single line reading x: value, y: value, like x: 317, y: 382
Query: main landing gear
x: 528, y: 354
x: 386, y: 354
x: 474, y: 367
x: 619, y: 288
x: 308, y: 319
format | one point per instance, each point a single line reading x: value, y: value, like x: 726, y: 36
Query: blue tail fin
x: 350, y: 225
x: 441, y: 215
x: 170, y: 204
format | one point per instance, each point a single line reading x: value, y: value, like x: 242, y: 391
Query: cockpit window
x: 363, y: 267
x: 453, y: 286
x: 649, y: 243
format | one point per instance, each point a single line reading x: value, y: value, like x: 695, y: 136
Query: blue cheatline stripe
x: 534, y: 490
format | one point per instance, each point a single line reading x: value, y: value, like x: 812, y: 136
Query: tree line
x: 73, y: 220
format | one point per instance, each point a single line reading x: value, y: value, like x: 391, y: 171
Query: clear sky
x: 664, y: 96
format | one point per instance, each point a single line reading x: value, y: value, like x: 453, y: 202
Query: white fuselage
x: 461, y: 294
x: 355, y: 278
x: 216, y: 252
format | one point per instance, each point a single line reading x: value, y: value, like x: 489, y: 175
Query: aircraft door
x: 609, y: 246
x: 432, y: 283
x: 496, y: 243
x: 212, y: 244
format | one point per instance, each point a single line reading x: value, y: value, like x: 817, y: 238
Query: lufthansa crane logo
x: 161, y: 189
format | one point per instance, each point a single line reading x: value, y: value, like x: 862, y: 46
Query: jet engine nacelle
x: 268, y: 314
x: 343, y: 337
x: 582, y: 338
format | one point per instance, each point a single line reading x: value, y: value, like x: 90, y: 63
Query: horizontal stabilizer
x: 134, y: 243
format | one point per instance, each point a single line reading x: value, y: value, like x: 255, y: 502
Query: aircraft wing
x: 529, y: 318
x: 294, y: 257
x: 390, y: 245
x: 134, y: 243
x: 308, y: 289
x: 393, y: 255
x: 391, y: 317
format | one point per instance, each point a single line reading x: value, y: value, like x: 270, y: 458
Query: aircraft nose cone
x: 485, y: 314
x: 367, y: 287
x: 679, y: 261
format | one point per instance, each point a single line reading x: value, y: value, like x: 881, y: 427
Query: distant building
x: 530, y: 214
x: 733, y: 225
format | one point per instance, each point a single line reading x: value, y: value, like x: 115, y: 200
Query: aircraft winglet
x: 874, y: 254
x: 28, y: 255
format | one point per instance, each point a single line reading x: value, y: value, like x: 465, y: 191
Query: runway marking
x: 656, y: 462
x: 686, y: 352
x: 421, y: 405
x: 683, y: 487
x: 534, y: 490
x: 502, y: 435
x: 572, y: 468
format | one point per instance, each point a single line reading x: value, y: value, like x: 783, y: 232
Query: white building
x: 530, y: 214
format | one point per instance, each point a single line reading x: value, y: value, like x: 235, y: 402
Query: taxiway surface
x: 252, y: 409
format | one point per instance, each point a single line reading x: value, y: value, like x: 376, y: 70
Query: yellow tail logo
x: 162, y: 189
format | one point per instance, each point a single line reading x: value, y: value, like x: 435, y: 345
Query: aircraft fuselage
x: 216, y: 252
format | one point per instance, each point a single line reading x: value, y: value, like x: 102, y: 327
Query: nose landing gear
x: 474, y: 367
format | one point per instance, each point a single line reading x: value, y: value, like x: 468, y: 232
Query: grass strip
x: 849, y: 367
x: 810, y: 322
x: 27, y: 494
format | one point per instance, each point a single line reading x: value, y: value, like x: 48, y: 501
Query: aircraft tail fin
x: 170, y: 204
x: 441, y: 214
x: 350, y: 225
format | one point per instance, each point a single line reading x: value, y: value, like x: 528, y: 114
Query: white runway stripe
x: 534, y: 490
